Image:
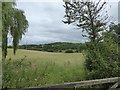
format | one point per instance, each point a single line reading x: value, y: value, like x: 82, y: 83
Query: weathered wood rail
x: 114, y: 80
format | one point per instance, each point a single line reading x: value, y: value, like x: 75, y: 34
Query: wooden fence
x: 114, y: 80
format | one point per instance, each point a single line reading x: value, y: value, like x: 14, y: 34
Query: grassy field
x: 45, y: 68
x: 0, y: 68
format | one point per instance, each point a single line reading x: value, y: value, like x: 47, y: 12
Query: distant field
x: 57, y: 67
x: 38, y: 56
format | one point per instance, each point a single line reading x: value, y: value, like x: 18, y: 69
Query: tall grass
x: 41, y: 68
x: 0, y: 68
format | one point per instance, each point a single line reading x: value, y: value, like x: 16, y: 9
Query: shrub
x: 102, y: 60
x: 76, y: 51
x: 69, y: 51
x: 50, y: 50
x: 60, y: 50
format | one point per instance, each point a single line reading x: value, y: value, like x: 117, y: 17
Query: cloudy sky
x: 45, y: 22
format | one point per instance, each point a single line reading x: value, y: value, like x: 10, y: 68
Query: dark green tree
x: 102, y: 52
x: 13, y: 22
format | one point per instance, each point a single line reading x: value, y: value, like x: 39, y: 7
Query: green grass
x: 0, y: 68
x: 45, y: 68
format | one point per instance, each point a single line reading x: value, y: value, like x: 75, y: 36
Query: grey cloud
x: 45, y: 24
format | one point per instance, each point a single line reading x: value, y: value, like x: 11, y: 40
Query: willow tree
x: 0, y: 23
x: 13, y: 22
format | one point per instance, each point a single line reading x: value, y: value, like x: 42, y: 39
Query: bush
x: 102, y: 60
x: 50, y: 50
x: 76, y: 51
x: 60, y: 50
x: 69, y: 51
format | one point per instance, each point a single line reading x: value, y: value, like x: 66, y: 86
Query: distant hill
x: 57, y: 47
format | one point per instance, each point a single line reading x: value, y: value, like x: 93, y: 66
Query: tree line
x: 65, y: 47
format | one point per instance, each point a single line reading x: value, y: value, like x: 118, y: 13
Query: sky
x: 45, y: 22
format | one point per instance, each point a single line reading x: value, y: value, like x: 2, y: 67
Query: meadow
x: 35, y: 68
x: 0, y: 68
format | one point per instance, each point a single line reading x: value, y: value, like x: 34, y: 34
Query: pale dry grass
x: 38, y: 56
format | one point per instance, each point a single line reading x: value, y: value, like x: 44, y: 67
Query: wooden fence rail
x: 115, y: 80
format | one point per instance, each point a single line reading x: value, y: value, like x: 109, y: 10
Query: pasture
x: 43, y: 68
x: 0, y: 76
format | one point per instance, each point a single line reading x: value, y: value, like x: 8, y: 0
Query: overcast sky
x: 45, y: 22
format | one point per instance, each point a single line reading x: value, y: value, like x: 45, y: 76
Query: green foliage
x: 13, y: 22
x: 68, y: 51
x: 14, y: 72
x: 102, y: 59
